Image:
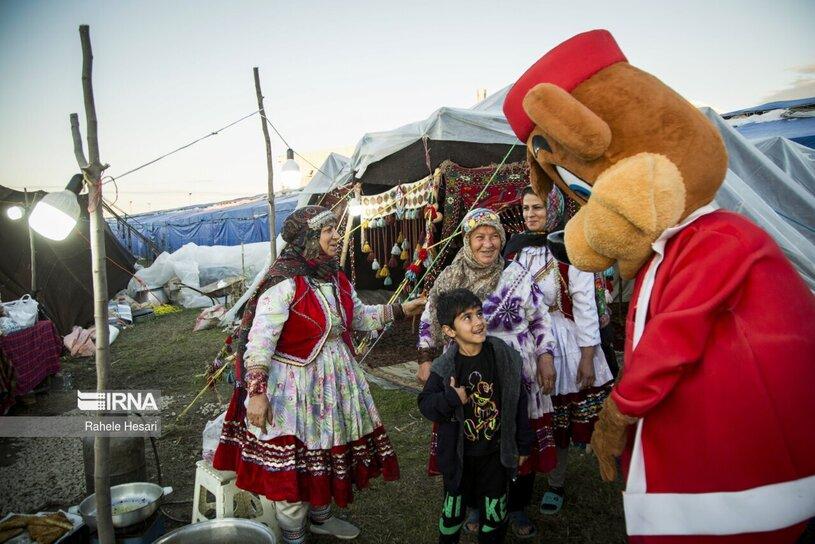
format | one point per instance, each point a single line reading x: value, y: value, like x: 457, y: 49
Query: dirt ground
x: 165, y: 354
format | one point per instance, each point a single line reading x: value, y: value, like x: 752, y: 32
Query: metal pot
x: 220, y: 531
x: 131, y: 503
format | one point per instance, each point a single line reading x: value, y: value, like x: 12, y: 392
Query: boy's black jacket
x: 438, y: 402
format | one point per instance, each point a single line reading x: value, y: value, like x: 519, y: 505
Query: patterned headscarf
x: 465, y: 270
x: 555, y: 209
x: 302, y: 256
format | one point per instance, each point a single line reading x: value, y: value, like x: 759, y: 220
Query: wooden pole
x: 270, y: 190
x: 92, y: 171
x: 32, y: 250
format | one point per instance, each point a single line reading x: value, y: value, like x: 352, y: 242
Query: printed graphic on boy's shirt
x: 485, y: 420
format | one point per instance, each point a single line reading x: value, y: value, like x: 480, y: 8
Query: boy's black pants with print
x: 483, y: 483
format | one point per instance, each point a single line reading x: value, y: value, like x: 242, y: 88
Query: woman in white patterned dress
x: 583, y: 375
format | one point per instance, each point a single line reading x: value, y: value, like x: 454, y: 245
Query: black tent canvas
x: 64, y: 281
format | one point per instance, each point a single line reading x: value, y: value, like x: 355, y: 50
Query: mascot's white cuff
x: 759, y: 509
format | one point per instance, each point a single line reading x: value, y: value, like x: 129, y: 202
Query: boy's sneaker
x: 335, y: 527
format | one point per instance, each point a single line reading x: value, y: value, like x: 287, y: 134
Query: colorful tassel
x: 388, y: 281
x: 375, y: 266
x: 366, y: 248
x: 393, y: 263
x: 396, y: 250
x: 422, y: 254
x: 400, y: 238
x: 405, y: 244
x: 404, y: 256
x: 371, y: 257
x: 384, y: 272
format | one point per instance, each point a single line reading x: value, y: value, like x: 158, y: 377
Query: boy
x: 475, y: 394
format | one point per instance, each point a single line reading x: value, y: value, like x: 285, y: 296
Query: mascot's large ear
x: 568, y: 121
x: 540, y: 180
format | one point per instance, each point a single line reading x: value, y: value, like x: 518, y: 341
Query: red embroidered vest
x: 308, y: 325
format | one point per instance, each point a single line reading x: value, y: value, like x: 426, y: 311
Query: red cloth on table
x: 33, y: 353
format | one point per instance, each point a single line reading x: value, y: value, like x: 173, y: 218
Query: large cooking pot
x: 130, y: 503
x: 220, y: 531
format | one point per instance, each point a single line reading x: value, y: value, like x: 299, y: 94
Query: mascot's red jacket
x: 716, y: 404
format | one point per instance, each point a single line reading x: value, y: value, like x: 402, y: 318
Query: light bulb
x: 55, y: 215
x: 14, y: 213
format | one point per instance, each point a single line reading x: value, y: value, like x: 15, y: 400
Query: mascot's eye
x: 538, y: 143
x: 575, y: 183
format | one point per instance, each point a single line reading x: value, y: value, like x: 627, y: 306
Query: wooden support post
x: 270, y: 190
x: 92, y: 171
x: 29, y: 205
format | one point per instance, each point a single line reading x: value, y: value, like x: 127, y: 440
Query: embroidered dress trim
x: 576, y: 413
x: 284, y: 469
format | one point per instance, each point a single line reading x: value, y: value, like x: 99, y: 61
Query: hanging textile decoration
x: 463, y: 185
x: 394, y: 224
x: 408, y: 196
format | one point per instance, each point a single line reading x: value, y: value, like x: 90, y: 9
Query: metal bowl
x: 130, y: 503
x: 220, y: 531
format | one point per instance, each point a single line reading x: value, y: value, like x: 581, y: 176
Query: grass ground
x: 165, y: 354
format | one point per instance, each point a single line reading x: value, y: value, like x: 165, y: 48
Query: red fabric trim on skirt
x: 576, y: 413
x: 542, y: 459
x: 284, y: 469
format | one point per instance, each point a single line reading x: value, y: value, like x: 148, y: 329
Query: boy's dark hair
x: 455, y: 302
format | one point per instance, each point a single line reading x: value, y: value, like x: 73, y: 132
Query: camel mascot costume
x: 715, y: 410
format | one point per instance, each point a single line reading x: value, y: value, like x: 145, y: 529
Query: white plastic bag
x: 22, y: 311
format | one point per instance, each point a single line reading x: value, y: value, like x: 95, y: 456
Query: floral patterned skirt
x: 325, y: 437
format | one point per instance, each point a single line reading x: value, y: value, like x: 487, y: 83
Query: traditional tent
x: 469, y: 137
x: 65, y: 285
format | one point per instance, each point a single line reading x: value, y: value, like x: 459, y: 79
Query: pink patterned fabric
x: 33, y: 353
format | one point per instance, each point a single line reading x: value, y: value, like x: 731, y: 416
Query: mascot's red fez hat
x: 567, y: 66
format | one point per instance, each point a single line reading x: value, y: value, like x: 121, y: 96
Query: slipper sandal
x: 519, y: 521
x: 472, y: 521
x: 552, y: 501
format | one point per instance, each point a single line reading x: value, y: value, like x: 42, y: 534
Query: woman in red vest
x: 302, y: 428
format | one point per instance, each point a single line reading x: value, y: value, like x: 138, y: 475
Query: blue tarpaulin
x: 790, y: 119
x: 225, y: 224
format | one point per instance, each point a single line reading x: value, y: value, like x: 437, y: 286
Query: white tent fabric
x: 493, y: 103
x: 793, y: 158
x: 450, y: 124
x: 760, y: 190
x: 335, y: 171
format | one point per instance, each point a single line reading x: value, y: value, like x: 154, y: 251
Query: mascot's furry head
x: 635, y: 154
